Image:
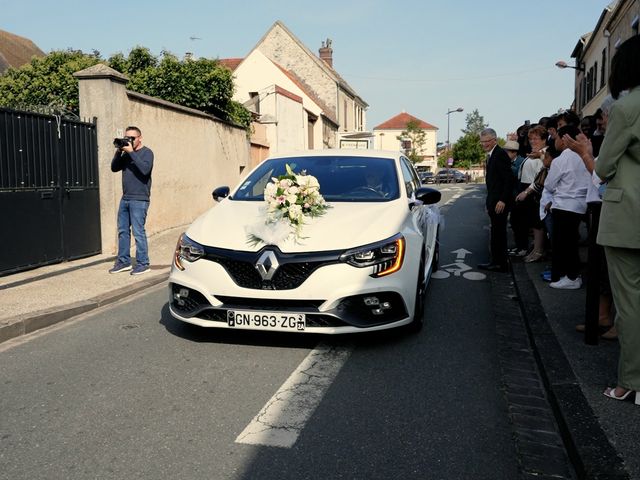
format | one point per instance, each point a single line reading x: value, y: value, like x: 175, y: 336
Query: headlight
x: 385, y: 257
x: 187, y: 249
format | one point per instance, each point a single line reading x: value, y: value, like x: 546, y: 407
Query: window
x: 346, y: 116
x: 590, y: 86
x: 411, y: 180
x: 405, y: 145
x: 255, y: 99
x: 579, y: 95
x: 595, y: 79
x: 603, y: 69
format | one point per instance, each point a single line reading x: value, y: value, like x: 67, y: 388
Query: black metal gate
x: 49, y: 197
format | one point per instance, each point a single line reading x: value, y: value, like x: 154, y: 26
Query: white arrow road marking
x: 284, y: 416
x: 461, y: 253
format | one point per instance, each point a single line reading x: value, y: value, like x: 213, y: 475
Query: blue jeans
x: 132, y: 216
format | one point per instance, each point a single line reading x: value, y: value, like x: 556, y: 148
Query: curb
x: 592, y: 454
x: 538, y: 443
x: 31, y: 322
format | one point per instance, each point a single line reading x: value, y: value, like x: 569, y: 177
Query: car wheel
x: 418, y: 310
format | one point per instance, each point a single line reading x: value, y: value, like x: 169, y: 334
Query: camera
x: 123, y: 142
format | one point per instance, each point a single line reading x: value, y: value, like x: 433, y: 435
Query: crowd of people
x: 558, y: 174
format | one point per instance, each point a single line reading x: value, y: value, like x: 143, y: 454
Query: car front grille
x: 293, y: 269
x: 287, y: 277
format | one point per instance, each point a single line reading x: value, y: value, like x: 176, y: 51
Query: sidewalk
x: 603, y: 435
x: 47, y: 295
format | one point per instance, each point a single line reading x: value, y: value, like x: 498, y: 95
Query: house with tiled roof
x: 388, y: 136
x: 293, y: 116
x: 16, y: 51
x: 318, y: 75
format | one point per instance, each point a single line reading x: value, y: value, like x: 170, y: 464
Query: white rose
x: 284, y: 183
x: 295, y: 212
x: 270, y: 190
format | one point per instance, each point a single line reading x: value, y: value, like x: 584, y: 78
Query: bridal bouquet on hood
x: 290, y: 201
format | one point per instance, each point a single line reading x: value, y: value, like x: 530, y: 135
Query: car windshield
x: 341, y: 178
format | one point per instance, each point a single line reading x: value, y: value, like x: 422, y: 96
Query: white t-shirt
x: 596, y: 188
x: 568, y: 182
x: 530, y: 169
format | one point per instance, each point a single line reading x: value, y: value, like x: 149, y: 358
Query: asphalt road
x: 128, y: 392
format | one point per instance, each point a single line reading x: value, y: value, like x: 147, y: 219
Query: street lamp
x: 562, y: 64
x: 459, y: 109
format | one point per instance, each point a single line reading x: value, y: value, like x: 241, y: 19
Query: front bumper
x: 332, y: 296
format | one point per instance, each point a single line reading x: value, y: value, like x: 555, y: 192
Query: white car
x: 362, y: 265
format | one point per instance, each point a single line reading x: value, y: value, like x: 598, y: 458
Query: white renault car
x: 328, y: 241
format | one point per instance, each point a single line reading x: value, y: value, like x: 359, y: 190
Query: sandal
x: 602, y: 329
x: 611, y: 393
x: 610, y: 334
x: 533, y: 257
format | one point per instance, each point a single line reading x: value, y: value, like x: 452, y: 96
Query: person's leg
x: 124, y: 233
x: 499, y: 238
x: 557, y: 260
x: 624, y: 275
x: 519, y: 227
x: 548, y: 225
x: 138, y: 218
x: 538, y: 240
x: 606, y: 298
x: 572, y: 253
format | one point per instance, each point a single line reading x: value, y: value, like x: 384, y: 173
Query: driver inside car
x: 374, y: 179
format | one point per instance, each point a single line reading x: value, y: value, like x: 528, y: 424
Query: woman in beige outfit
x: 619, y: 165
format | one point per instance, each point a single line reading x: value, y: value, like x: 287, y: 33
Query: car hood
x: 345, y: 225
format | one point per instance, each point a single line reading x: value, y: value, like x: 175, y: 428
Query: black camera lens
x: 122, y: 142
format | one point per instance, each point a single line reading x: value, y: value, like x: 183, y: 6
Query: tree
x: 46, y: 84
x: 417, y: 136
x: 202, y: 84
x: 466, y: 152
x: 475, y: 123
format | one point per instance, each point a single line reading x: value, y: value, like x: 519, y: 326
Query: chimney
x: 326, y: 52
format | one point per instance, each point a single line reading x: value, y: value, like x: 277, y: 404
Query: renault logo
x: 267, y: 265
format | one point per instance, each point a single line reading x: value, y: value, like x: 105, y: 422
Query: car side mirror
x: 428, y: 196
x: 219, y: 193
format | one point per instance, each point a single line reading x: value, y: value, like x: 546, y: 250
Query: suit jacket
x: 499, y: 179
x: 619, y: 163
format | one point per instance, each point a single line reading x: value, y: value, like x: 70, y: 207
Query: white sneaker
x: 565, y: 283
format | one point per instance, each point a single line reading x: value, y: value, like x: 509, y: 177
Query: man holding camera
x: 135, y: 162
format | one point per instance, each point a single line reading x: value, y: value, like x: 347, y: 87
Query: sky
x: 420, y: 56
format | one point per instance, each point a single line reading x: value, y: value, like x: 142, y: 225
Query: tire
x: 435, y: 263
x: 418, y: 308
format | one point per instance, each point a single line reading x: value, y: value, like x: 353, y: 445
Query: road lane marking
x: 281, y: 420
x: 458, y: 268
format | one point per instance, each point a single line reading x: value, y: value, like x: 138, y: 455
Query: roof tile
x: 400, y: 121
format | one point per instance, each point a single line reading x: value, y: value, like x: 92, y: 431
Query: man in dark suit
x: 499, y: 181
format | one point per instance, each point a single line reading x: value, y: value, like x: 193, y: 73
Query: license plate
x: 266, y: 320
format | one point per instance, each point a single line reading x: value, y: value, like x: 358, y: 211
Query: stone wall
x: 282, y: 49
x: 194, y: 152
